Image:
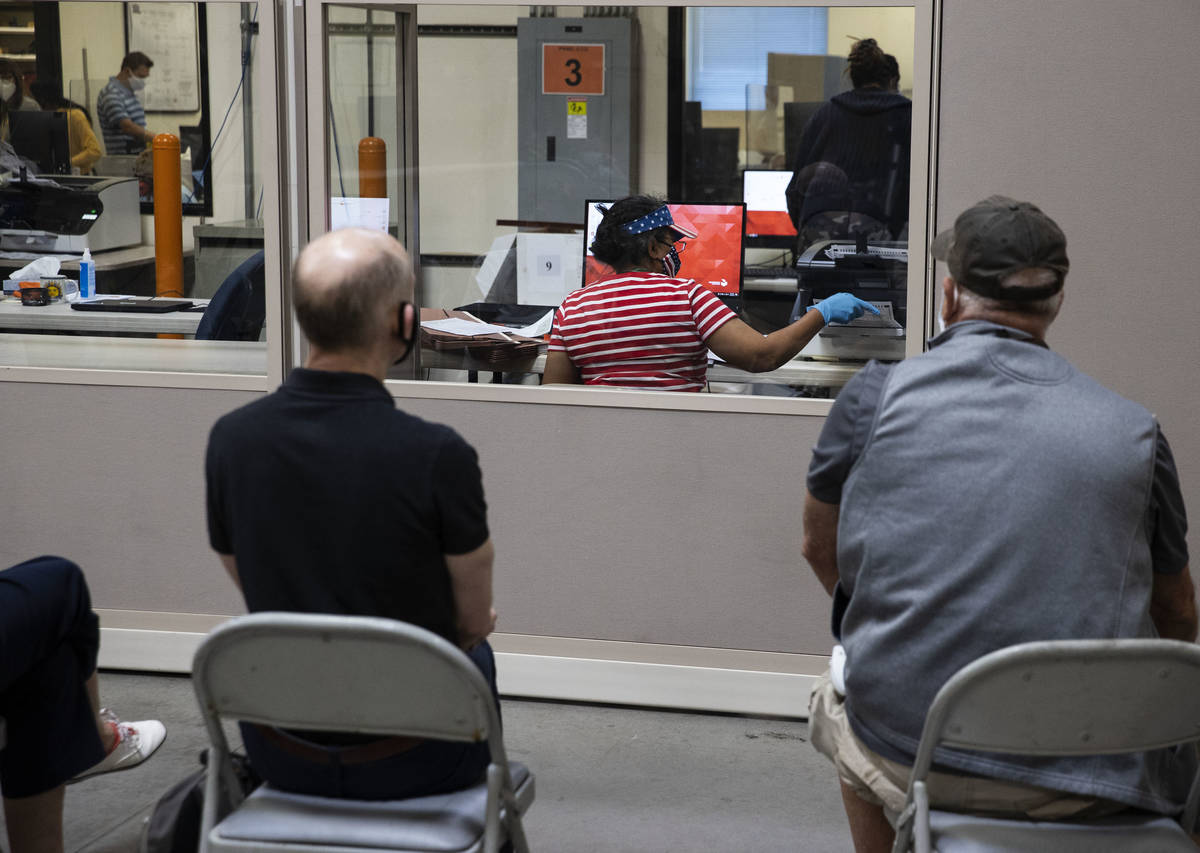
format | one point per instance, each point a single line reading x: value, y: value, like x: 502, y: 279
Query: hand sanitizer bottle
x: 87, y: 275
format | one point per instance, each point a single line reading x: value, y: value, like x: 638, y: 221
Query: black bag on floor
x: 174, y: 825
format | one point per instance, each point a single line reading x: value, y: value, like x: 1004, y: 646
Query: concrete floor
x: 608, y: 779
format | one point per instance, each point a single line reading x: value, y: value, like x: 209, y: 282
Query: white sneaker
x: 137, y: 743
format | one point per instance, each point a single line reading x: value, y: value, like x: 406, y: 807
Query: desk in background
x: 819, y: 374
x: 128, y: 271
x: 61, y: 317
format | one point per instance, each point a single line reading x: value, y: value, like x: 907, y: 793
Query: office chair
x: 1062, y: 697
x: 351, y: 674
x: 238, y: 309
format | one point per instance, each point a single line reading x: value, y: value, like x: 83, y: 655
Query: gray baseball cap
x: 1000, y: 236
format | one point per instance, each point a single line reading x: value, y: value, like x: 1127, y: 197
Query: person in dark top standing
x: 324, y: 498
x: 850, y: 170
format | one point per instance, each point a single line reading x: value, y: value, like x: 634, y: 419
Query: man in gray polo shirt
x: 983, y: 494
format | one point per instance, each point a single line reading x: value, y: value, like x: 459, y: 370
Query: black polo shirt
x: 333, y: 501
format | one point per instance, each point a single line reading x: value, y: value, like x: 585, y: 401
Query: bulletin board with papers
x: 169, y: 34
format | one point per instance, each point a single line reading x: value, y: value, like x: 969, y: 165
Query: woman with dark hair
x: 12, y: 88
x: 84, y: 146
x: 850, y: 170
x: 644, y: 327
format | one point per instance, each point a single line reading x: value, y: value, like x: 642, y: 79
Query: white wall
x: 467, y: 115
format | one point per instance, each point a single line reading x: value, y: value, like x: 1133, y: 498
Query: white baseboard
x: 759, y: 686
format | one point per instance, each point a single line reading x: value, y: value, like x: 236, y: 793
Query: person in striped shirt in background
x: 644, y: 327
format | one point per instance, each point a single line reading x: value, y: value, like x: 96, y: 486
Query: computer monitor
x: 795, y: 117
x: 714, y: 258
x: 41, y: 136
x: 768, y: 225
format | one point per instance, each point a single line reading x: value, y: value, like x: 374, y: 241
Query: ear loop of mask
x: 670, y: 261
x: 408, y: 342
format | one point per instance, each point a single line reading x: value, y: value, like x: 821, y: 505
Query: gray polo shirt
x: 992, y: 494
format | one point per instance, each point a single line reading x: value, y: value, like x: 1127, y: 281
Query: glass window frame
x: 920, y: 290
x: 269, y: 57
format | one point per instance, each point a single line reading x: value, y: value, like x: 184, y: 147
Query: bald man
x: 324, y: 498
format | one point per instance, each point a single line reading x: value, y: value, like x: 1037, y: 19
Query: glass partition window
x: 809, y: 122
x: 175, y: 236
x: 523, y: 123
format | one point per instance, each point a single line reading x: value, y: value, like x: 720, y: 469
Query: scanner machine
x: 876, y: 272
x: 63, y: 214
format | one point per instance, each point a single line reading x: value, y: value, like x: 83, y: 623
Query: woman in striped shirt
x: 642, y: 327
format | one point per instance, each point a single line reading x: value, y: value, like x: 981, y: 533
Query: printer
x: 874, y: 271
x: 63, y: 214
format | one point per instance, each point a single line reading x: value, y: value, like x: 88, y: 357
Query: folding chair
x: 351, y: 674
x: 1062, y: 697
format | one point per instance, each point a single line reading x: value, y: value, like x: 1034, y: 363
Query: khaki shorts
x: 880, y: 781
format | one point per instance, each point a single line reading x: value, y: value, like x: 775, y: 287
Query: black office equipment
x: 69, y: 214
x: 795, y: 115
x: 717, y: 165
x: 135, y: 305
x: 506, y: 314
x: 41, y: 136
x: 876, y: 272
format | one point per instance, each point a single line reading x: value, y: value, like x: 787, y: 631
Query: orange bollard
x: 168, y: 219
x: 372, y: 167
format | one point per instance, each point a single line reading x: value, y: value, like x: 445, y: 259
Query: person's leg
x: 35, y: 823
x: 869, y: 828
x: 48, y: 640
x: 44, y: 631
x: 106, y: 729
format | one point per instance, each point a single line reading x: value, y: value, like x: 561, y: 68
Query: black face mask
x: 408, y: 342
x: 671, y: 262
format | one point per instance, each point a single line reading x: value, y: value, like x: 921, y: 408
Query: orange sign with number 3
x: 572, y: 69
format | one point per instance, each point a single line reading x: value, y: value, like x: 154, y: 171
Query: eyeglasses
x: 678, y: 245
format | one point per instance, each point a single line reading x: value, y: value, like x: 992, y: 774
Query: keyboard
x: 771, y: 272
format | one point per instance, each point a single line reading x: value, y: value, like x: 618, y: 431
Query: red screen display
x: 714, y: 258
x: 765, y: 194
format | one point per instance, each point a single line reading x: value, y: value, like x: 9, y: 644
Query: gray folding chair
x: 351, y: 674
x: 1063, y: 697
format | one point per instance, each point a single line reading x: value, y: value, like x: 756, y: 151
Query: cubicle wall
x: 653, y: 555
x: 1083, y: 106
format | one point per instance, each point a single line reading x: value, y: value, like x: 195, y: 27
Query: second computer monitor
x: 41, y: 136
x: 714, y: 258
x: 768, y: 224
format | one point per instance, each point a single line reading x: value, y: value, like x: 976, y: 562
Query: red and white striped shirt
x: 639, y: 330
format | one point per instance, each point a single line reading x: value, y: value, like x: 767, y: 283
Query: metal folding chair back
x: 1063, y: 697
x: 350, y: 674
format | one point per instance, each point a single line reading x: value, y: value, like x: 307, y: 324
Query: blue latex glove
x: 843, y: 307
